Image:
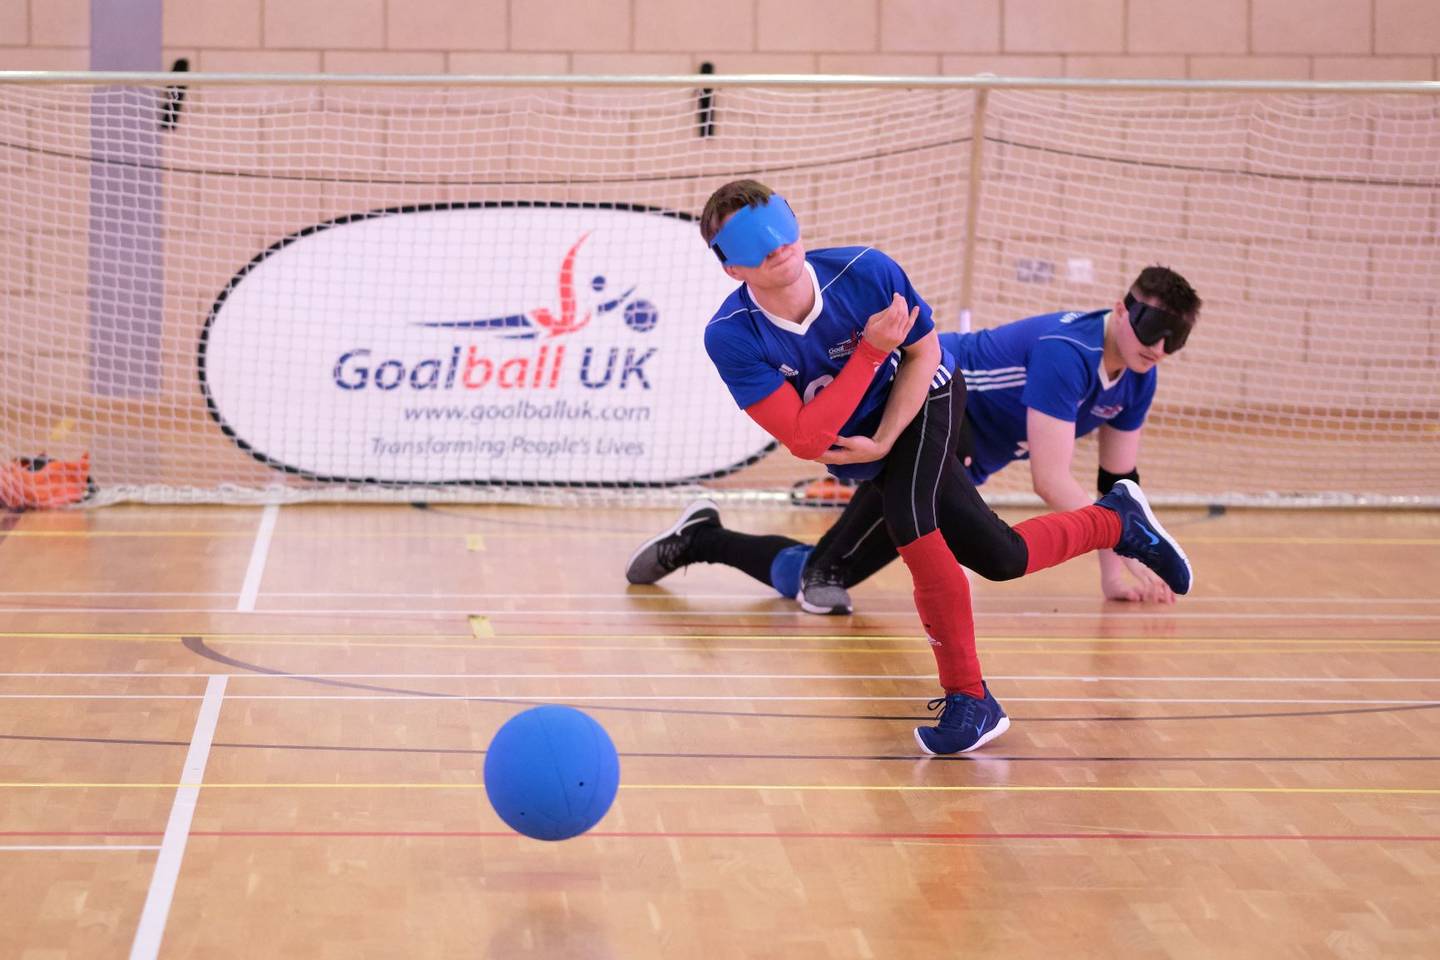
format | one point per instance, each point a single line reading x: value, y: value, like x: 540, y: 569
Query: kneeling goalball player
x: 1035, y: 386
x: 835, y: 355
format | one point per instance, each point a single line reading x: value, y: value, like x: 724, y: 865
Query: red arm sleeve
x: 809, y: 429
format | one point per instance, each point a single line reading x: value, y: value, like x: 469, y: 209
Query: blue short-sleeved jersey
x: 756, y: 353
x: 1051, y: 363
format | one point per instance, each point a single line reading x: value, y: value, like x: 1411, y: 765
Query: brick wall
x: 1253, y: 39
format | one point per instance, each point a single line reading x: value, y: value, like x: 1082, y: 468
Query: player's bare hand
x: 888, y: 329
x: 854, y: 450
x: 1141, y: 586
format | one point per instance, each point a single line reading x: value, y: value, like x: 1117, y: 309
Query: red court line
x: 744, y: 835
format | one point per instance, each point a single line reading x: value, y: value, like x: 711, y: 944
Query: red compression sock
x: 942, y: 597
x: 1057, y: 537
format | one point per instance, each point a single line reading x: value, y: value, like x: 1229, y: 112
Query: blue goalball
x: 551, y: 772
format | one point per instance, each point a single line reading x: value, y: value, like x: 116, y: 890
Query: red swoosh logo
x: 566, y: 322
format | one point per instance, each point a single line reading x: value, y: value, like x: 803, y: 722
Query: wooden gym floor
x: 246, y: 732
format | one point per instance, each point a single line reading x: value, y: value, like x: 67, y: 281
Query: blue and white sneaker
x: 1142, y: 538
x: 668, y: 551
x: 963, y: 725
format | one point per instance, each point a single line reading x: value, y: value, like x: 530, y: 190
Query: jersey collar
x: 1105, y: 382
x: 803, y: 326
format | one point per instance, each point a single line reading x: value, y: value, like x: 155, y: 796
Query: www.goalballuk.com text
x: 520, y: 413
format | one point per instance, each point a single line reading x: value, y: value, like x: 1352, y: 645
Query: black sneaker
x: 1142, y: 538
x: 822, y: 591
x: 667, y: 552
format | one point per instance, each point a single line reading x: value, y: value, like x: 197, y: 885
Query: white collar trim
x: 1105, y: 382
x: 803, y: 327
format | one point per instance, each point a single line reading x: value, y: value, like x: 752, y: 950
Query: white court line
x: 67, y: 847
x: 436, y: 614
x: 258, y: 554
x: 725, y: 698
x: 177, y: 830
x: 926, y: 677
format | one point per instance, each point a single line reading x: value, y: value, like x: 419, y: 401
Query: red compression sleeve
x: 1056, y: 537
x: 808, y: 429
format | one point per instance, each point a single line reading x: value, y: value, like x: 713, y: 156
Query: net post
x: 972, y: 203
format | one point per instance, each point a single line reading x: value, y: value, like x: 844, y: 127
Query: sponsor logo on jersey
x: 845, y: 347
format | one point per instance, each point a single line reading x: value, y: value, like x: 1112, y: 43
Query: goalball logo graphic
x: 475, y: 370
x: 502, y: 343
x: 640, y: 315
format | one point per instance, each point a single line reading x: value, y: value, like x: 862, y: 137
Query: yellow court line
x: 591, y: 535
x: 806, y: 787
x: 1323, y: 541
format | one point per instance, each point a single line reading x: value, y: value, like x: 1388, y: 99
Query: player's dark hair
x: 1172, y: 290
x: 729, y: 198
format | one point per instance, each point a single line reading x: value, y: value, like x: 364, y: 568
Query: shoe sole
x: 820, y: 611
x: 685, y: 520
x: 1138, y: 496
x: 985, y: 738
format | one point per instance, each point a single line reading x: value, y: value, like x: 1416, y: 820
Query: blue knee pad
x: 786, y: 567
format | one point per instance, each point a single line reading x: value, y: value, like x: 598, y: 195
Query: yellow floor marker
x: 481, y: 627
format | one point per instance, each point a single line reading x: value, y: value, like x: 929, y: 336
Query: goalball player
x: 835, y: 355
x: 1035, y: 386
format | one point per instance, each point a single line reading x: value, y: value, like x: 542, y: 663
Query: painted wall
x: 1259, y: 39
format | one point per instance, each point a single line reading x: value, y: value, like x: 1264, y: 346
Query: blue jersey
x: 756, y: 353
x: 1051, y: 363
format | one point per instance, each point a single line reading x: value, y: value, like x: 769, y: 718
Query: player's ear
x: 731, y: 273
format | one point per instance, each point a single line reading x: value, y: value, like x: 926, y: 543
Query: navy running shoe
x: 963, y: 725
x: 668, y: 551
x: 1142, y: 538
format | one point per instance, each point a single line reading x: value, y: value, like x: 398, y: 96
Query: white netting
x: 211, y: 302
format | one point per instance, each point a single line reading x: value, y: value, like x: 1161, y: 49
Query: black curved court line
x: 197, y: 646
x: 643, y: 755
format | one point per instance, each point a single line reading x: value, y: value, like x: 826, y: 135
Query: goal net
x: 283, y: 291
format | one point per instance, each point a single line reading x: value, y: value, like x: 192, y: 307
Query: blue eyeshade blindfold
x: 753, y: 233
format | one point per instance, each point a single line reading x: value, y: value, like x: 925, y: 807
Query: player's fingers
x: 1157, y: 592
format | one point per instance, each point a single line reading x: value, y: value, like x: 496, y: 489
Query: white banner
x: 509, y: 344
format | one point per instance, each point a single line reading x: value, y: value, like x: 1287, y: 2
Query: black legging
x: 923, y: 487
